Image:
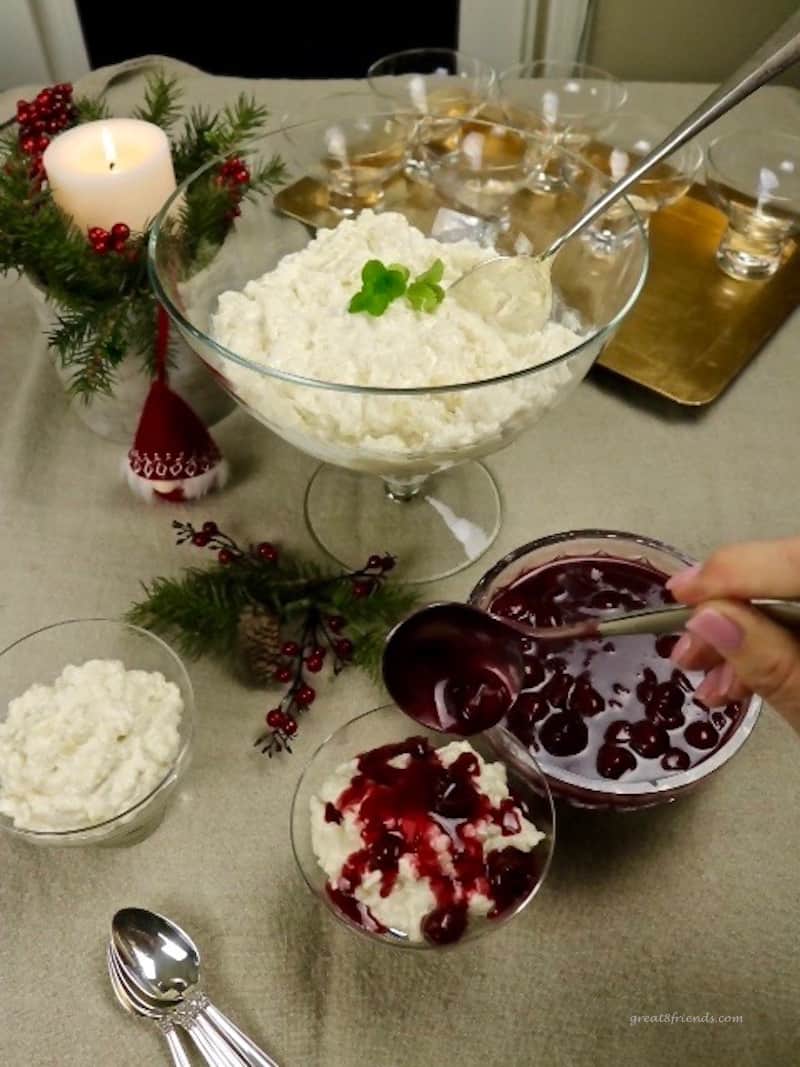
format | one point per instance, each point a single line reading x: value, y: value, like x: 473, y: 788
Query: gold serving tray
x: 693, y: 328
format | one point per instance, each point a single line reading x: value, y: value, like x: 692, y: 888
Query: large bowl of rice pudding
x: 407, y: 394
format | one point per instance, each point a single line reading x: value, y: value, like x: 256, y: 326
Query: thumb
x: 765, y: 658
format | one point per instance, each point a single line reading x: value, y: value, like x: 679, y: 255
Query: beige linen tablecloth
x: 692, y: 909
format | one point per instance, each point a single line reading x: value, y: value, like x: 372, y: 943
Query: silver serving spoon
x: 458, y: 669
x: 777, y: 53
x: 162, y: 960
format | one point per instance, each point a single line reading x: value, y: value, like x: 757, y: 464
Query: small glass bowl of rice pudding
x: 415, y: 839
x: 96, y: 722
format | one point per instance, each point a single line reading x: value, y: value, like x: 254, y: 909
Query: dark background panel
x: 267, y: 40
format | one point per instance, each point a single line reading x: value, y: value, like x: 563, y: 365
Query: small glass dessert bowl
x: 488, y: 166
x: 565, y: 102
x: 96, y: 720
x: 416, y: 840
x: 618, y: 147
x: 611, y: 724
x: 753, y: 176
x: 359, y: 155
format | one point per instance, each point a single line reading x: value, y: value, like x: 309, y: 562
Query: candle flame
x: 108, y: 147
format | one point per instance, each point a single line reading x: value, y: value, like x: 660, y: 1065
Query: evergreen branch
x: 90, y: 108
x: 162, y: 97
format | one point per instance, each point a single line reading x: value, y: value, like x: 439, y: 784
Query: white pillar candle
x: 112, y: 170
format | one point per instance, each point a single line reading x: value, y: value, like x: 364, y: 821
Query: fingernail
x: 718, y: 630
x: 683, y: 578
x: 682, y: 649
x: 715, y: 687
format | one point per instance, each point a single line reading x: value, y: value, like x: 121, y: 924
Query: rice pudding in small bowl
x: 417, y: 840
x: 96, y: 721
x: 611, y: 724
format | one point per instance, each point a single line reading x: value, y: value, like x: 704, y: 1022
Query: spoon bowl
x: 157, y: 954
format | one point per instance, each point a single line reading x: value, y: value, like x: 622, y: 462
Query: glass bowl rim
x: 612, y: 787
x: 189, y: 707
x: 266, y: 371
x: 754, y: 134
x: 692, y: 148
x: 482, y: 68
x: 586, y: 71
x: 486, y: 926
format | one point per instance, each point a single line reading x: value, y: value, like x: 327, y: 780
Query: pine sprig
x: 205, y: 136
x: 319, y: 612
x: 162, y: 101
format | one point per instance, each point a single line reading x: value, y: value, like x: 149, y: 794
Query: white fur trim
x: 193, y: 488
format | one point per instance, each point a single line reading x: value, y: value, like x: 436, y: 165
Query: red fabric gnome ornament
x: 173, y: 457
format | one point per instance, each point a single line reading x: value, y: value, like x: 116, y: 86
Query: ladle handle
x: 775, y: 55
x: 668, y: 620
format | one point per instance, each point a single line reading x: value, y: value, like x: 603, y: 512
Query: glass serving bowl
x: 753, y: 176
x: 39, y: 657
x: 384, y: 726
x: 566, y: 783
x: 565, y: 102
x: 436, y: 84
x: 428, y: 504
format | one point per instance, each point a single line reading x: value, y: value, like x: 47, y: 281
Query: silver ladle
x: 458, y: 669
x: 162, y: 961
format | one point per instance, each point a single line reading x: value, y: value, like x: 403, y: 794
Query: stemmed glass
x: 417, y: 421
x: 436, y: 84
x: 618, y: 147
x: 564, y: 102
x: 754, y: 177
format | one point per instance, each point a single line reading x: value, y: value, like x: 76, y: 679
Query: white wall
x: 40, y: 42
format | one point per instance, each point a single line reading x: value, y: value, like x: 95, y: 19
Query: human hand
x: 742, y: 650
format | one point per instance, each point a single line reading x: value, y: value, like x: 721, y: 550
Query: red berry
x: 200, y: 539
x: 305, y: 696
x: 314, y: 664
x: 318, y: 651
x: 117, y: 245
x: 45, y: 98
x: 276, y: 719
x: 375, y: 563
x: 290, y: 727
x: 120, y: 231
x: 336, y: 623
x: 225, y: 555
x: 24, y: 111
x: 290, y: 649
x: 344, y: 648
x: 96, y: 231
x: 28, y: 144
x: 282, y: 674
x: 362, y: 589
x: 388, y: 562
x: 52, y: 125
x: 267, y: 551
x: 242, y: 177
x: 42, y: 143
x: 210, y: 528
x: 64, y: 89
x: 101, y: 245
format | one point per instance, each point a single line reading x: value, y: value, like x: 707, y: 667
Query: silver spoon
x: 777, y: 53
x: 211, y: 1044
x: 133, y: 1007
x: 163, y: 961
x: 458, y: 669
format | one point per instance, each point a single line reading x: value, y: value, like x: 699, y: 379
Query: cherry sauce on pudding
x: 606, y: 709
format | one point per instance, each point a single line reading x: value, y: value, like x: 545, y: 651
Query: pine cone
x: 260, y: 642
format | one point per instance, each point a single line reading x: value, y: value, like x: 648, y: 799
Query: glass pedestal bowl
x: 399, y: 472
